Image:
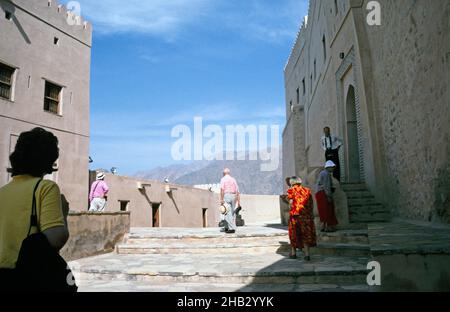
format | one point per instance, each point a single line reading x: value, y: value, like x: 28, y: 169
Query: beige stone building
x: 44, y: 82
x: 383, y: 89
x: 157, y: 204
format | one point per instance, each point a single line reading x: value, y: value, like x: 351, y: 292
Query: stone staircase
x: 362, y: 206
x: 252, y: 259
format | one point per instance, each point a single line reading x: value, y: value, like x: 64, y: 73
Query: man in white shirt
x: 331, y: 145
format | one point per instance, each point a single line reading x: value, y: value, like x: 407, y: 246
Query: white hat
x: 295, y: 180
x: 224, y: 208
x: 329, y: 164
x: 100, y: 175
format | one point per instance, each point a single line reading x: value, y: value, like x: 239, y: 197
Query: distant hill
x: 248, y: 174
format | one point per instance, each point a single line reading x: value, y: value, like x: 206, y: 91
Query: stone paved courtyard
x: 253, y: 259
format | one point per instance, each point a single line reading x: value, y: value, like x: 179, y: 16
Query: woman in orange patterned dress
x: 302, y: 231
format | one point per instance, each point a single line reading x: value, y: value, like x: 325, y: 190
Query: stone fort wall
x: 399, y: 71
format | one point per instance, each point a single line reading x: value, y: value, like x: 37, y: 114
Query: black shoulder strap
x: 33, y: 218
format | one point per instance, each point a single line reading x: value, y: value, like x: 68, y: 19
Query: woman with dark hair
x: 34, y: 156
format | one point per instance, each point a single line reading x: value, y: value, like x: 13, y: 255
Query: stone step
x: 362, y: 201
x: 358, y: 194
x: 323, y: 248
x: 356, y: 235
x: 369, y: 217
x: 221, y: 238
x: 342, y: 249
x: 142, y: 286
x: 344, y: 236
x: 374, y: 205
x: 357, y: 213
x: 367, y: 208
x: 210, y: 232
x: 306, y: 278
x: 354, y: 186
x: 248, y: 269
x: 203, y: 247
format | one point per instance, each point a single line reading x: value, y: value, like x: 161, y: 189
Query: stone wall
x: 94, y: 233
x: 414, y: 272
x: 182, y: 207
x: 400, y: 72
x: 258, y: 209
x: 27, y: 44
x: 410, y: 54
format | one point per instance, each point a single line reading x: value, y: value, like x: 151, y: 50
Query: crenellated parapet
x: 302, y: 36
x: 56, y: 15
x: 297, y: 47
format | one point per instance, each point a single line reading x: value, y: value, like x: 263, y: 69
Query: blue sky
x: 160, y: 63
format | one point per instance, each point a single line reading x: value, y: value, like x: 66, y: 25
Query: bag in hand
x: 39, y: 266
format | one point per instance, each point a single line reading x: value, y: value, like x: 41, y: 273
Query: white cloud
x: 266, y: 20
x: 157, y: 17
x: 222, y: 113
x: 270, y: 21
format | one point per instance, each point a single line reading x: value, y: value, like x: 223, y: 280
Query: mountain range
x: 248, y: 174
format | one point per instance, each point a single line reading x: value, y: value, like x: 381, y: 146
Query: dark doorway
x: 155, y: 214
x: 205, y: 217
x: 124, y: 205
x: 353, y: 166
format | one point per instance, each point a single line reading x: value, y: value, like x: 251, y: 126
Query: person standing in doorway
x: 324, y: 198
x: 98, y: 194
x: 229, y: 195
x: 331, y: 145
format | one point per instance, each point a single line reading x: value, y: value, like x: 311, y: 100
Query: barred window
x: 6, y: 80
x: 52, y: 98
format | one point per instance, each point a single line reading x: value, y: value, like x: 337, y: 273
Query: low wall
x: 150, y: 205
x: 414, y: 272
x: 284, y: 212
x: 260, y: 208
x: 413, y: 256
x: 94, y: 233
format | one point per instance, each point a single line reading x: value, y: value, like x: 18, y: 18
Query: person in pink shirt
x: 229, y: 195
x: 97, y: 195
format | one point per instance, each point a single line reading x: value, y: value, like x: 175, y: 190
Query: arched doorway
x: 353, y: 166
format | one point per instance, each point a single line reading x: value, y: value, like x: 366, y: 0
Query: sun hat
x: 329, y: 164
x: 100, y: 175
x: 295, y: 180
x: 224, y: 208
